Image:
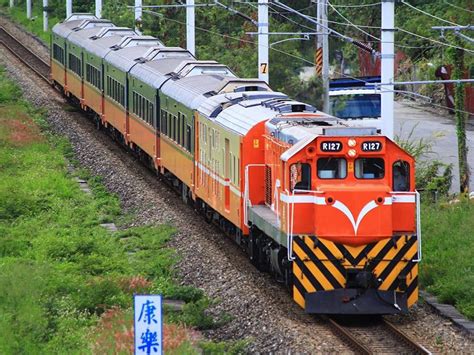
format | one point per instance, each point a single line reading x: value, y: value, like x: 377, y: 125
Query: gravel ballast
x: 260, y: 309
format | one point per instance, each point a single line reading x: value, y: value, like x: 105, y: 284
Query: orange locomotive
x: 329, y: 209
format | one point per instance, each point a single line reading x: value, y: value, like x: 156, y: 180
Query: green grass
x: 60, y: 272
x: 447, y: 269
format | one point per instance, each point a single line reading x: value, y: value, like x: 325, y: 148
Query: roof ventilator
x: 287, y: 106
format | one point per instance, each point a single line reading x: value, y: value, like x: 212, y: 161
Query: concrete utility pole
x: 138, y: 15
x: 68, y: 8
x: 323, y: 42
x: 190, y: 27
x: 45, y: 16
x: 263, y: 46
x: 388, y: 63
x: 98, y: 8
x: 28, y: 9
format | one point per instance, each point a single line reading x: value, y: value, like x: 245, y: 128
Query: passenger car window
x: 401, y: 176
x: 369, y: 168
x: 300, y: 176
x: 332, y: 168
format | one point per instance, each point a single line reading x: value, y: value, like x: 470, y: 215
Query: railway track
x: 375, y: 336
x: 30, y: 59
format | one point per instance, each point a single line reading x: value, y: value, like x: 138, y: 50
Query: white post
x: 323, y: 17
x: 68, y: 8
x: 28, y: 9
x: 98, y: 8
x: 388, y: 63
x: 45, y: 16
x: 263, y: 65
x: 190, y: 27
x: 12, y: 3
x: 138, y: 14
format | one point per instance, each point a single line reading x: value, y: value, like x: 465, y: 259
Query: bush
x: 431, y: 175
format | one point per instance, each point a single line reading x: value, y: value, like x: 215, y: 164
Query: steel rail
x: 361, y: 347
x: 25, y: 55
x: 417, y: 348
x: 355, y: 344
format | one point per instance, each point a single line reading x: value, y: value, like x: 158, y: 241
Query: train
x: 328, y: 207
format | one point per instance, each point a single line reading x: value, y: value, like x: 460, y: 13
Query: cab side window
x: 401, y: 176
x: 300, y: 176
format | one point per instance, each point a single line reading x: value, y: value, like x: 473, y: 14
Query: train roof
x: 166, y: 52
x: 158, y: 63
x: 85, y: 38
x: 296, y: 127
x: 191, y: 91
x: 79, y: 22
x: 242, y: 84
x: 125, y: 58
x: 102, y: 46
x: 240, y: 111
x: 156, y: 72
x: 241, y: 119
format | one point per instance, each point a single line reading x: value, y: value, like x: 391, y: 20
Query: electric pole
x: 388, y: 62
x: 98, y: 8
x: 323, y: 44
x: 138, y: 15
x: 28, y: 9
x: 45, y: 16
x: 263, y: 46
x: 190, y: 27
x: 68, y: 8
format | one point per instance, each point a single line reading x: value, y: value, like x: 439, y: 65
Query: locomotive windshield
x: 369, y: 168
x: 332, y: 168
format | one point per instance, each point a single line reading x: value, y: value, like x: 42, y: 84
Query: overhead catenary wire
x: 279, y: 13
x: 156, y: 14
x: 377, y: 28
x: 402, y: 92
x: 457, y: 7
x: 359, y: 6
x: 434, y: 41
x: 330, y: 30
x: 236, y: 12
x: 352, y: 24
x: 428, y: 14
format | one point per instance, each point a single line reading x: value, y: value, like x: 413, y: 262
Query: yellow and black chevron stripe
x: 318, y: 60
x: 321, y: 265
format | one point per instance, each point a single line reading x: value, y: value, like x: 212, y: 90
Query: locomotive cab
x: 346, y: 208
x: 357, y: 185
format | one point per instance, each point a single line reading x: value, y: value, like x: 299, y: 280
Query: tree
x: 457, y: 58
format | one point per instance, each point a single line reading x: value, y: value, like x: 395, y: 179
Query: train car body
x: 329, y: 209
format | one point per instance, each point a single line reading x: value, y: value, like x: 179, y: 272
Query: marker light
x: 351, y: 142
x: 352, y: 153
